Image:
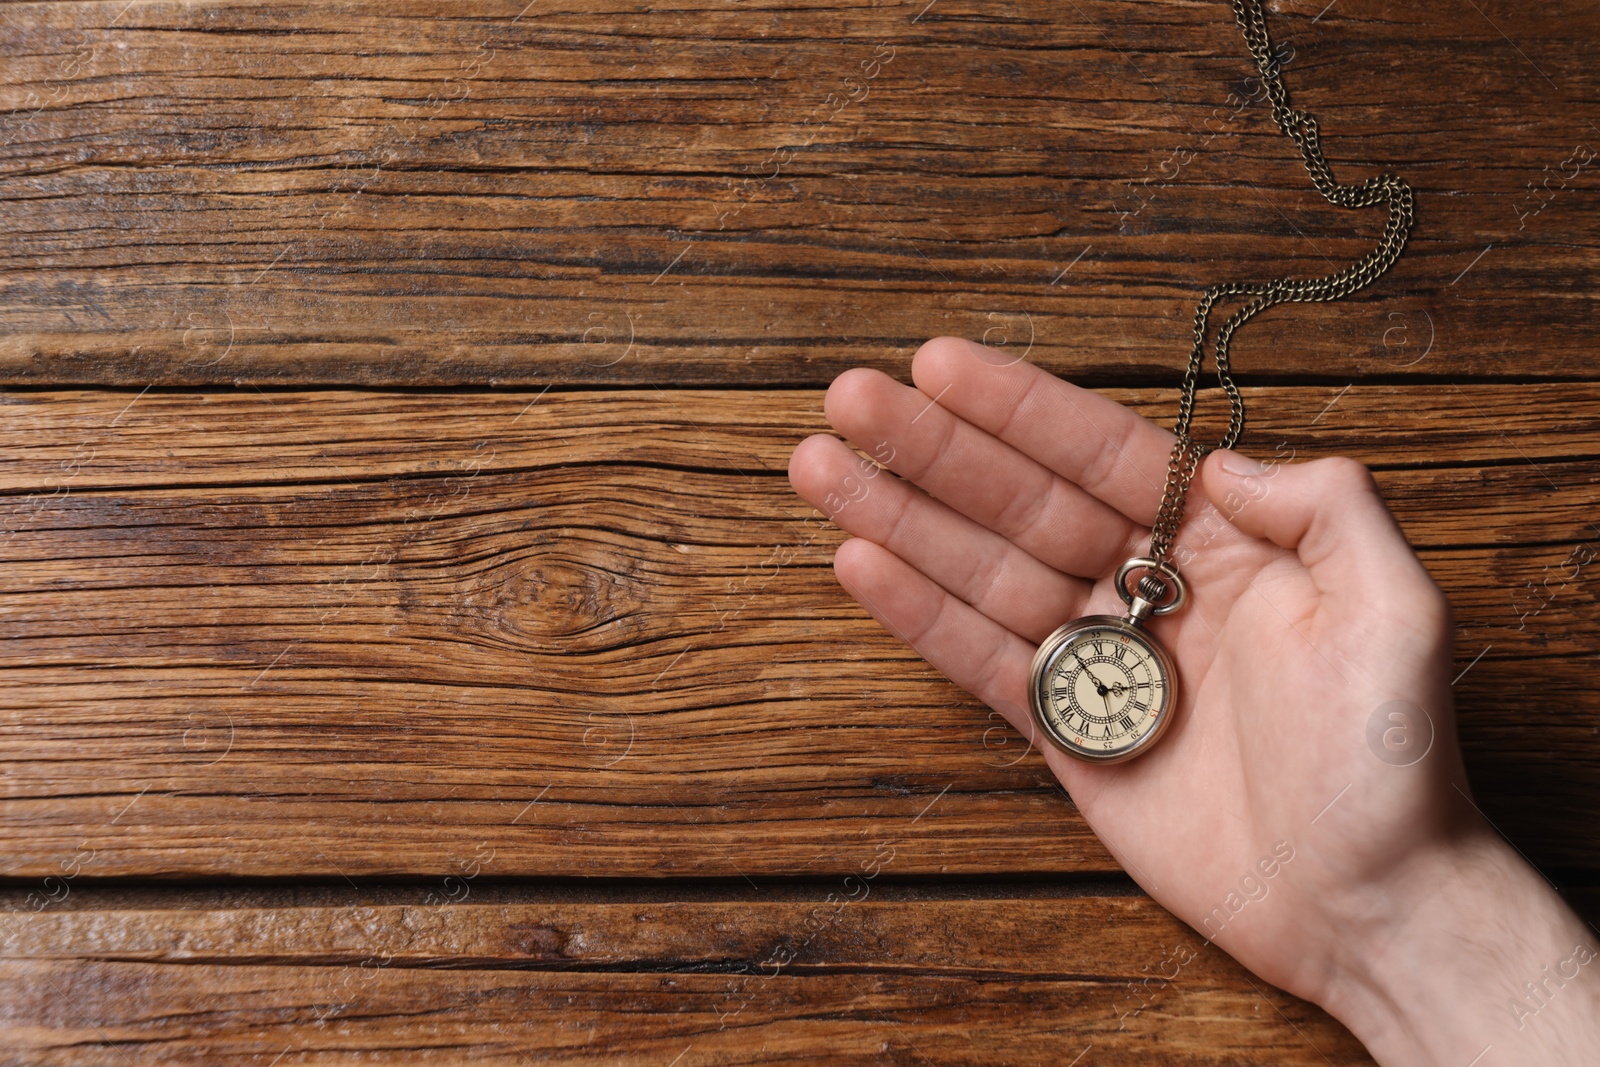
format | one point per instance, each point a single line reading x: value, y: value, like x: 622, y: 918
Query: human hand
x: 1273, y: 817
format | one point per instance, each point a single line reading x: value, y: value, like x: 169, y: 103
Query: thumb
x: 1329, y: 512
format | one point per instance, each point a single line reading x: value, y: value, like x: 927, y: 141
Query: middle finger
x: 977, y: 565
x: 980, y: 476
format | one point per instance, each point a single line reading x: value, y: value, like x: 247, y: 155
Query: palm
x: 1033, y: 491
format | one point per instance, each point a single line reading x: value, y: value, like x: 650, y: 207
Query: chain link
x: 1302, y: 128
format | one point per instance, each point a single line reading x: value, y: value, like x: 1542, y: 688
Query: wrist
x: 1465, y: 954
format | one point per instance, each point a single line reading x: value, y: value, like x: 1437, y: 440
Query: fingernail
x: 1238, y: 463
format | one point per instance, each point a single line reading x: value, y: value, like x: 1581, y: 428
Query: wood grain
x: 353, y: 633
x: 853, y: 972
x: 66, y: 440
x: 770, y: 192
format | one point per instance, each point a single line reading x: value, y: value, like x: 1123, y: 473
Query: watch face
x: 1102, y: 689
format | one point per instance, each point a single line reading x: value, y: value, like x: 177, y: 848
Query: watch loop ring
x: 1169, y: 574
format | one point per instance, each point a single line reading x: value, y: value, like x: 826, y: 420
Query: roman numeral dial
x: 1102, y: 688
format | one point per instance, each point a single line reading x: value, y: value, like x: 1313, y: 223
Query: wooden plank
x: 63, y: 441
x: 340, y: 633
x: 853, y: 972
x: 412, y: 194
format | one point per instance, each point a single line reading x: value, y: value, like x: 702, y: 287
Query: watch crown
x: 1152, y: 588
x: 1161, y: 589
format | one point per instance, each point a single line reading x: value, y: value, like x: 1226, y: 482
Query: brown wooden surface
x: 836, y: 973
x: 339, y: 631
x: 430, y: 192
x: 443, y: 665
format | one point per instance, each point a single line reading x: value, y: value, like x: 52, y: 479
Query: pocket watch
x: 1102, y: 688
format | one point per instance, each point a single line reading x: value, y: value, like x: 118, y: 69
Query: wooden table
x: 413, y: 649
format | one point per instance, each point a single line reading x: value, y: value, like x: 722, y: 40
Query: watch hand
x: 1099, y: 686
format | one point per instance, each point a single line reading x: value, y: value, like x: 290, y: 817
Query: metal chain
x: 1301, y: 127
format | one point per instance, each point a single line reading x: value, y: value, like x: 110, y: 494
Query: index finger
x: 1113, y: 453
